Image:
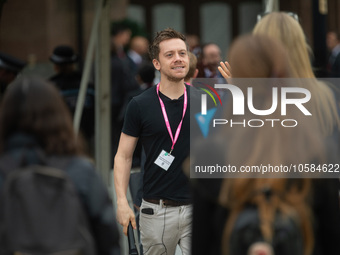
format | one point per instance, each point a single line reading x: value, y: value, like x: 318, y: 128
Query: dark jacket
x: 69, y: 86
x: 22, y: 149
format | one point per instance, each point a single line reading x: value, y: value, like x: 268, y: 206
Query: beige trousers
x: 165, y: 228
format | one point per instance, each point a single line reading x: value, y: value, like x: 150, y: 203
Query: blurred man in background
x: 333, y: 45
x: 10, y: 67
x: 209, y: 61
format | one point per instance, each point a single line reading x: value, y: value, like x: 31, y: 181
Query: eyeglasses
x: 292, y: 14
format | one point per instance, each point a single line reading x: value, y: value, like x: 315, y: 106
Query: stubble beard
x: 174, y: 79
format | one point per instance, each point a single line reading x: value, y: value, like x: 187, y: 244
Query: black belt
x: 166, y: 202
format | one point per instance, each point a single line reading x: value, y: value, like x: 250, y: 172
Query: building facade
x: 31, y: 29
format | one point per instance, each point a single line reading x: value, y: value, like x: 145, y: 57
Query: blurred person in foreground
x: 323, y: 106
x: 35, y: 123
x: 296, y: 199
x: 214, y: 214
x: 221, y: 206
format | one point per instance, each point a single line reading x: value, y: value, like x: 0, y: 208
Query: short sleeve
x: 132, y: 119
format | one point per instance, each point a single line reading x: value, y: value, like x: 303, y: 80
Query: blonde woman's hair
x: 285, y: 28
x: 260, y: 56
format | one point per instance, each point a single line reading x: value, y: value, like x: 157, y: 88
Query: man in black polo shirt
x: 160, y: 118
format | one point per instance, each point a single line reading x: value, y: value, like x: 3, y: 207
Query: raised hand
x: 225, y: 69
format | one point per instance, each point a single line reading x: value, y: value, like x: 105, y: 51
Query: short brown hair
x: 166, y: 34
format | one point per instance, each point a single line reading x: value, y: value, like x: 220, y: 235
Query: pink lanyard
x: 167, y: 120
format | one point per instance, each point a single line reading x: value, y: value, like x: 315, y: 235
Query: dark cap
x: 11, y: 63
x: 63, y: 55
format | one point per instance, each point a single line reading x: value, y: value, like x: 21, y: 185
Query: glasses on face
x: 292, y: 14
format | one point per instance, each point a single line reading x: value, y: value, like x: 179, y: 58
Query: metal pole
x: 103, y: 96
x: 87, y: 68
x: 272, y: 5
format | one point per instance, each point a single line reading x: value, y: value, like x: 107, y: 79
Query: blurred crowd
x: 277, y: 48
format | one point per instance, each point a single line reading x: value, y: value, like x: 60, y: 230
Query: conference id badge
x: 164, y: 160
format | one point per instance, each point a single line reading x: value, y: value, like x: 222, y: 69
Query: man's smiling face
x: 173, y: 60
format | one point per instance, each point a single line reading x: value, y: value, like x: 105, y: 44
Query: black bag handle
x: 131, y: 240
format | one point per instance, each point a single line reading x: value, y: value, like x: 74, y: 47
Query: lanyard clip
x: 170, y: 151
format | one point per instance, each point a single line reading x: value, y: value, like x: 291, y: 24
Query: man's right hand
x: 124, y: 216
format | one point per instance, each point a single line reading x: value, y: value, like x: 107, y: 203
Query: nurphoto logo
x: 238, y: 105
